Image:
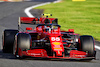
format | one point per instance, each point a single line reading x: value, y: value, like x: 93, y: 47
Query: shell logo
x: 56, y: 43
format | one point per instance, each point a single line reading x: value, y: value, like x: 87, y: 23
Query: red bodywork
x: 54, y: 36
x: 27, y: 20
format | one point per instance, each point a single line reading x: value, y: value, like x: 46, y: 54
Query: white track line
x: 97, y: 47
x: 57, y: 1
x: 27, y: 11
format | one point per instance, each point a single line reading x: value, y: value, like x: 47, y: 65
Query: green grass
x: 83, y: 17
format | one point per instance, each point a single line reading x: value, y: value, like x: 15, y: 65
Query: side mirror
x: 71, y: 30
x: 29, y: 28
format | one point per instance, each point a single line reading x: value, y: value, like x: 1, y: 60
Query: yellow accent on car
x: 47, y: 14
x: 29, y: 53
x: 56, y: 43
x: 75, y: 55
x: 57, y: 48
x: 38, y: 37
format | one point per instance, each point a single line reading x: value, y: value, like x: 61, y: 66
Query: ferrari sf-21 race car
x: 46, y: 40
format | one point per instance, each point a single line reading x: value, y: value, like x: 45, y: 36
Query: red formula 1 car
x: 47, y: 41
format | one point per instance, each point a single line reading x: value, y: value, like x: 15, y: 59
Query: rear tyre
x: 8, y: 40
x: 87, y: 45
x: 23, y: 43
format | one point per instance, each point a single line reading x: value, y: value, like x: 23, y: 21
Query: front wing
x: 42, y: 53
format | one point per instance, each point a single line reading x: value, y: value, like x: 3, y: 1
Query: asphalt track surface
x: 9, y: 13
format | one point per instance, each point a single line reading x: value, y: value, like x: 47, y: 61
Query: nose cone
x: 59, y: 53
x: 57, y: 45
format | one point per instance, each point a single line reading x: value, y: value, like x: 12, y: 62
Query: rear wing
x: 35, y: 21
x: 28, y: 20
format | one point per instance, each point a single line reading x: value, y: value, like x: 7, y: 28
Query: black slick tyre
x: 8, y: 40
x: 23, y: 43
x: 87, y: 45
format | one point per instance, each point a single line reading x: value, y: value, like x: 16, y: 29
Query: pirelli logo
x: 78, y: 0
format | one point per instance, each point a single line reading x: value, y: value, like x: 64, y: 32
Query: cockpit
x: 50, y: 28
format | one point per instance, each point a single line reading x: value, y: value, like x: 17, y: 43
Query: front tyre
x: 86, y: 44
x: 23, y: 43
